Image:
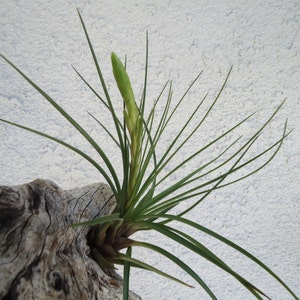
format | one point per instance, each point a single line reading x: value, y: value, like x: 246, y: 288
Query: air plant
x: 143, y: 200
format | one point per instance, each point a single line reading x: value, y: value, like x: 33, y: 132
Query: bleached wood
x: 42, y: 257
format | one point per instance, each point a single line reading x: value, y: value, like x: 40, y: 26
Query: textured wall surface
x: 260, y: 39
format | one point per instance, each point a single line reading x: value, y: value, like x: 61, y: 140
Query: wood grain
x: 42, y: 256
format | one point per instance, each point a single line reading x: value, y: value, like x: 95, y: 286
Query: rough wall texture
x: 259, y: 38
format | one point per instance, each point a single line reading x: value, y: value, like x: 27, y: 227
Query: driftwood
x: 41, y: 255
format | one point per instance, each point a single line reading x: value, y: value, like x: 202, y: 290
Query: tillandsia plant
x: 143, y: 200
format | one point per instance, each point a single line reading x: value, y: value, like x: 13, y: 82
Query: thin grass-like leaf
x: 235, y: 167
x: 187, y: 179
x: 164, y: 161
x: 175, y: 186
x: 76, y: 150
x: 93, y: 90
x: 205, y: 253
x: 178, y: 262
x: 126, y: 275
x: 109, y: 102
x: 99, y: 220
x: 106, y: 130
x: 71, y: 121
x: 146, y: 266
x: 229, y: 243
x: 189, y: 195
x: 279, y: 143
x: 143, y: 99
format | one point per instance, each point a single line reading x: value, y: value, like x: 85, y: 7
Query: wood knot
x: 58, y: 282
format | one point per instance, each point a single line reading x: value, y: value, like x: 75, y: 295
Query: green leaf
x: 229, y: 243
x: 116, y: 185
x: 76, y: 150
x: 202, y: 251
x: 178, y: 262
x: 146, y: 266
x: 126, y: 275
x: 99, y: 220
x: 116, y: 120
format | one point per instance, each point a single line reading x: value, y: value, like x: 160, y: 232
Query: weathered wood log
x: 42, y: 256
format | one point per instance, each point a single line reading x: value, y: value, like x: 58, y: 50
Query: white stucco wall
x: 260, y: 39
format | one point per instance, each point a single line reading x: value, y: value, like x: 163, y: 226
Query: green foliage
x: 141, y: 202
